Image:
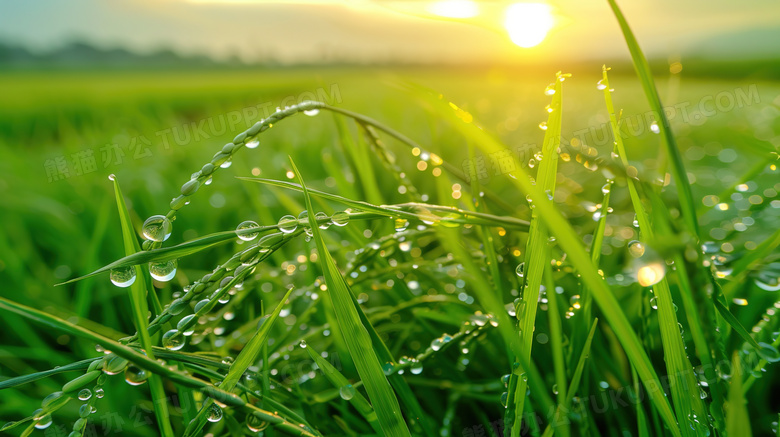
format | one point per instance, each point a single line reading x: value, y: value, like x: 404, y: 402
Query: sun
x: 528, y: 23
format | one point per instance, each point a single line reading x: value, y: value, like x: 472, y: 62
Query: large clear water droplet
x: 288, y: 224
x: 215, y: 413
x: 252, y: 144
x: 255, y: 424
x: 311, y: 112
x: 163, y: 271
x: 436, y: 344
x: 519, y: 271
x: 340, y: 218
x: 157, y: 228
x: 123, y: 276
x: 650, y: 274
x: 135, y: 375
x: 172, y: 340
x: 85, y: 394
x: 600, y: 85
x: 347, y: 392
x: 636, y: 248
x: 247, y: 225
x: 322, y: 220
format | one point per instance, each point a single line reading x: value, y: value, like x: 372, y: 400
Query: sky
x: 387, y: 31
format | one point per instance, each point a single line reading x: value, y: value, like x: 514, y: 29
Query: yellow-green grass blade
x: 153, y: 366
x: 25, y: 379
x: 339, y: 381
x: 174, y: 252
x: 247, y: 357
x: 537, y: 249
x: 737, y: 417
x: 651, y: 92
x: 140, y: 310
x: 556, y: 343
x: 570, y: 242
x: 408, y: 210
x: 355, y: 334
x: 679, y: 368
x: 575, y: 381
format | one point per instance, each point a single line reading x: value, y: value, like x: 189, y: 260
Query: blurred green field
x: 58, y: 226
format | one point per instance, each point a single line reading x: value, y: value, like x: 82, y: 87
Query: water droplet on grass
x: 247, y: 225
x: 157, y: 228
x: 340, y: 218
x: 636, y: 248
x: 288, y: 224
x: 123, y: 276
x: 135, y: 375
x: 172, y: 340
x: 215, y: 413
x: 347, y: 392
x: 163, y: 271
x: 85, y: 394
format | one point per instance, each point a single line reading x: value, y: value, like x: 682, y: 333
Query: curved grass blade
x: 356, y: 336
x: 737, y: 417
x: 338, y: 380
x: 140, y: 310
x: 570, y: 242
x: 248, y: 356
x: 407, y: 210
x: 173, y: 252
x: 575, y: 379
x: 651, y: 92
x: 156, y: 367
x: 25, y: 379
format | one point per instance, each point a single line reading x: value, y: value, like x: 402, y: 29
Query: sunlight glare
x: 528, y: 23
x: 455, y: 8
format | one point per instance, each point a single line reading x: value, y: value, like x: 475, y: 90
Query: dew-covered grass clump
x: 418, y: 258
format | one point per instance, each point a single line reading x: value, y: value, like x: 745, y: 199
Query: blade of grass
x: 737, y: 417
x: 651, y: 92
x: 355, y: 334
x: 157, y: 367
x: 248, y: 356
x: 575, y: 379
x: 338, y: 380
x: 570, y: 242
x: 140, y: 309
x: 537, y: 249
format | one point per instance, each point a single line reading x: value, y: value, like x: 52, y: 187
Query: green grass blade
x: 737, y: 417
x: 248, y: 356
x: 174, y: 252
x: 576, y: 377
x: 356, y: 336
x: 338, y: 380
x: 25, y: 379
x: 407, y: 210
x: 140, y: 310
x: 651, y: 92
x: 153, y: 366
x: 537, y: 249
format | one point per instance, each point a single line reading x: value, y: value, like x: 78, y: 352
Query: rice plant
x: 465, y: 311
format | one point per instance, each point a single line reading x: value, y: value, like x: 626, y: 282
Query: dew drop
x: 288, y: 224
x: 401, y: 224
x: 123, y: 276
x: 135, y: 375
x: 85, y: 394
x: 252, y: 144
x: 255, y: 424
x: 636, y: 248
x: 157, y: 228
x: 215, y: 413
x: 99, y: 393
x: 600, y: 85
x: 543, y: 125
x: 436, y: 344
x: 340, y: 218
x: 226, y: 164
x: 605, y: 189
x: 172, y: 340
x: 182, y: 325
x: 654, y: 128
x: 322, y: 220
x: 44, y: 422
x: 347, y: 392
x: 311, y: 112
x: 416, y: 368
x: 163, y: 271
x: 247, y: 225
x: 519, y: 271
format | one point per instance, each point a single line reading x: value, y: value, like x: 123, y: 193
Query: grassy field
x: 639, y: 327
